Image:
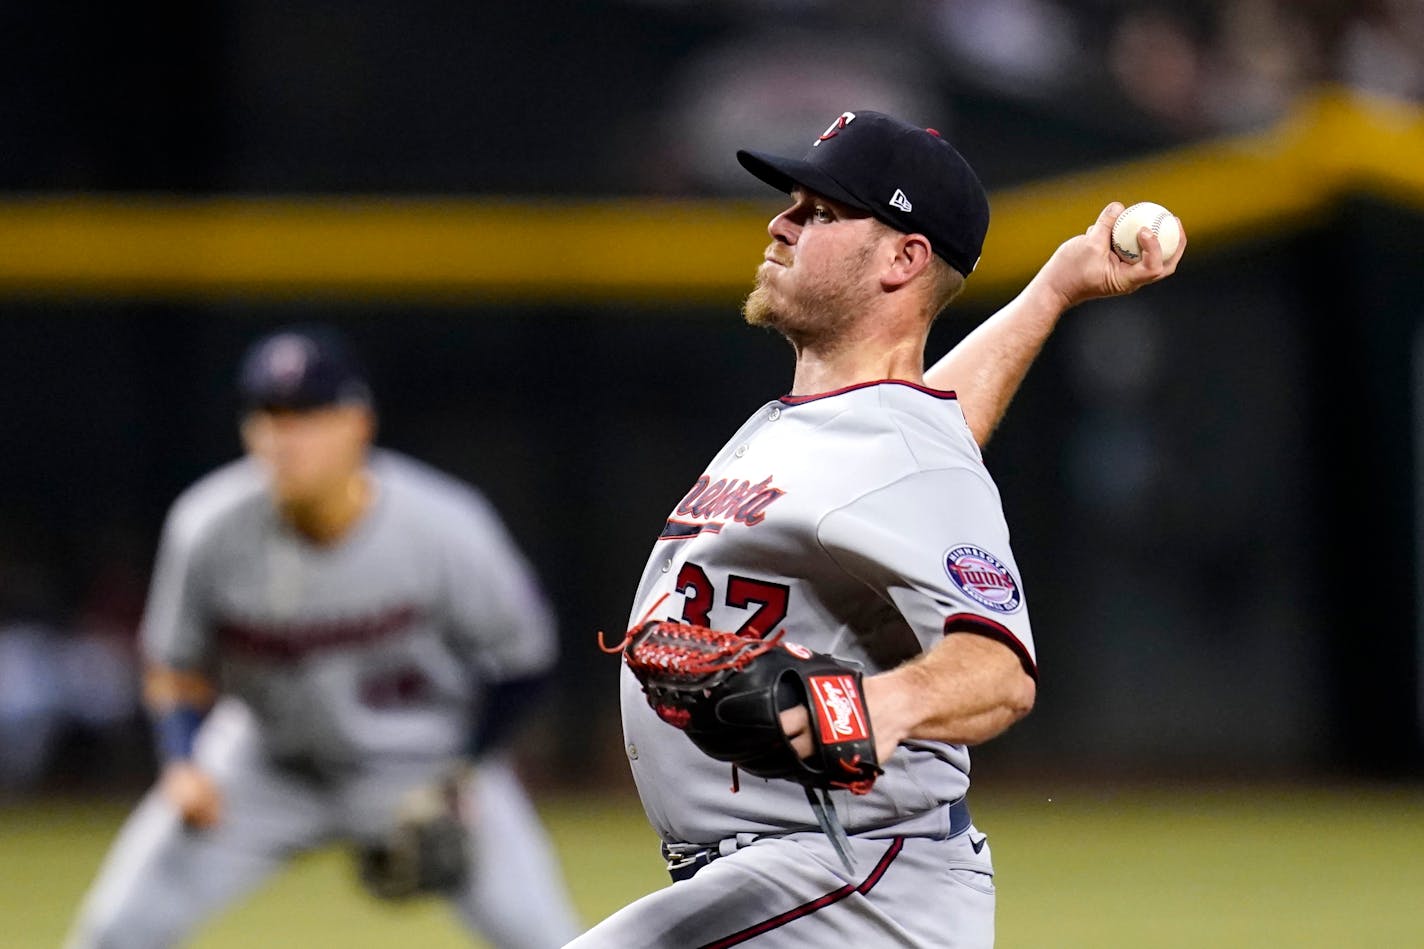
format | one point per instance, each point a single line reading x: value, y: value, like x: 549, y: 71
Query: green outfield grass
x: 1091, y: 867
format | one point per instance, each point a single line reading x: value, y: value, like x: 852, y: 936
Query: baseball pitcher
x: 832, y: 613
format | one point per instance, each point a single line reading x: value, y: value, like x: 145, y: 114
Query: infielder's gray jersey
x: 375, y: 645
x: 864, y: 524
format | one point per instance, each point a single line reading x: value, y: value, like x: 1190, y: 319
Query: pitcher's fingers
x: 1151, y: 250
x: 1107, y: 217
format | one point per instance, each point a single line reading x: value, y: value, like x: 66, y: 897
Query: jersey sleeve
x: 500, y: 617
x: 936, y: 546
x: 176, y: 630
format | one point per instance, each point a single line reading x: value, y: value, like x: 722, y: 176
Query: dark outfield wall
x: 1209, y: 483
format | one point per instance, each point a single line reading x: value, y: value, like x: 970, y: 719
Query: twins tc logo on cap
x: 983, y: 578
x: 286, y: 359
x: 834, y: 128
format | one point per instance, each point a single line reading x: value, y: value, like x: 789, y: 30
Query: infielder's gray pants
x: 161, y: 880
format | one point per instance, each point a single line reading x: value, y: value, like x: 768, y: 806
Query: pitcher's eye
x: 822, y: 214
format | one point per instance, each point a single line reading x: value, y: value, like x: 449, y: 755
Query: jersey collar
x: 803, y: 399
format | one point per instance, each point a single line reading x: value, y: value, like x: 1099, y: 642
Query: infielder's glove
x: 426, y: 851
x: 727, y: 692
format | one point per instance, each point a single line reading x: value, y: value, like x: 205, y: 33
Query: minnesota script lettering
x: 729, y: 499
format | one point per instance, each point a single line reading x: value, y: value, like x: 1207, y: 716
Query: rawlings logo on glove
x: 842, y: 716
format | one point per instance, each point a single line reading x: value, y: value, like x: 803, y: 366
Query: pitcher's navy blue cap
x: 909, y: 178
x: 301, y: 367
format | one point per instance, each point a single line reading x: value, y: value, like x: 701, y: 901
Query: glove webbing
x: 686, y: 657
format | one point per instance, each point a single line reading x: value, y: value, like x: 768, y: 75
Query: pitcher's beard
x: 818, y: 309
x: 789, y: 319
x: 833, y: 311
x: 757, y: 309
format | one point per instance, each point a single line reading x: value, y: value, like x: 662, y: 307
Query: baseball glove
x: 426, y: 851
x: 727, y: 692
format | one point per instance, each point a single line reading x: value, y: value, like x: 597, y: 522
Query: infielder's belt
x: 684, y: 860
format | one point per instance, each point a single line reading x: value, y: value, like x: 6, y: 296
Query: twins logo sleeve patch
x: 983, y: 578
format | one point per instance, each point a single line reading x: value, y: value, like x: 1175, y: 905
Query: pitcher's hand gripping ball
x: 727, y: 693
x: 1153, y: 217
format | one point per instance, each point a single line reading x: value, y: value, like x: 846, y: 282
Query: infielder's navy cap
x: 908, y: 177
x: 301, y: 367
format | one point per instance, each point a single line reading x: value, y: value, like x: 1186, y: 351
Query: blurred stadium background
x: 530, y: 219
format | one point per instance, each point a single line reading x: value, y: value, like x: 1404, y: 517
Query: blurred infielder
x: 332, y: 630
x: 856, y: 520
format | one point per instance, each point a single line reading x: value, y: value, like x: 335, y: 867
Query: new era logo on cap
x: 898, y: 200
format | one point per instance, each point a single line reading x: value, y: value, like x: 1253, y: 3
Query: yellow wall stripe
x: 629, y: 251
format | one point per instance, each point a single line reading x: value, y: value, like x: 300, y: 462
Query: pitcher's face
x: 815, y: 275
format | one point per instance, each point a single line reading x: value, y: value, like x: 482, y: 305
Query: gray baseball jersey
x: 863, y: 523
x: 371, y: 647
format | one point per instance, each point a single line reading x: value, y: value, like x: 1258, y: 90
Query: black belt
x: 683, y: 861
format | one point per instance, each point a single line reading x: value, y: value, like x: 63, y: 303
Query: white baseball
x: 1156, y: 219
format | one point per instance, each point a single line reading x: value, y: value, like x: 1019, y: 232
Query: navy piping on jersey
x: 681, y: 530
x: 974, y: 623
x: 803, y: 399
x: 820, y: 902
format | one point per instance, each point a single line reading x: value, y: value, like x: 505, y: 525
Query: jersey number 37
x: 767, y: 600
